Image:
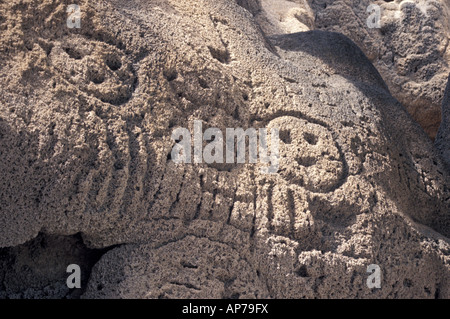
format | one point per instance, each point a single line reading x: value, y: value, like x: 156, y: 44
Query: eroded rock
x: 359, y: 182
x: 443, y: 138
x: 409, y: 48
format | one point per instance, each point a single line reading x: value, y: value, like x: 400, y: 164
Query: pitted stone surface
x: 95, y: 67
x: 359, y: 182
x: 409, y: 48
x: 443, y: 138
x: 308, y: 154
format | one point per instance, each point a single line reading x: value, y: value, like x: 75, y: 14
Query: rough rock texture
x: 85, y: 123
x: 410, y: 49
x: 443, y: 138
x: 37, y: 269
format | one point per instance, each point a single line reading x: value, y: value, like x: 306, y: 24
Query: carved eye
x: 113, y: 62
x: 285, y: 136
x: 310, y: 138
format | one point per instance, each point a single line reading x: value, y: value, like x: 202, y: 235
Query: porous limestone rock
x: 443, y: 138
x: 409, y: 48
x: 85, y: 140
x: 38, y: 268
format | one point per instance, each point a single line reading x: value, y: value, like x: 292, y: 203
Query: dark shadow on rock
x: 403, y: 134
x: 253, y: 6
x: 335, y: 50
x: 38, y: 268
x: 418, y: 164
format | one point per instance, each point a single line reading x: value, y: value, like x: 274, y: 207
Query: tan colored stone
x: 359, y: 182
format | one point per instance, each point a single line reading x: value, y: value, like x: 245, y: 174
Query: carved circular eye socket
x: 309, y: 156
x: 95, y: 67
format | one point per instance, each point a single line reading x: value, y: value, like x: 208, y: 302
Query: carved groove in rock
x: 97, y: 68
x: 308, y: 155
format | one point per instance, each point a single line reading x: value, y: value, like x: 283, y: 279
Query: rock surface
x: 409, y: 48
x: 38, y: 269
x: 443, y: 138
x: 85, y: 123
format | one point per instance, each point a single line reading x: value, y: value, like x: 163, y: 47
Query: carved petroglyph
x: 308, y: 154
x: 95, y: 67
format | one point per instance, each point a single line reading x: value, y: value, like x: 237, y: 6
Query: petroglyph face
x: 117, y: 170
x: 95, y: 67
x: 309, y: 156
